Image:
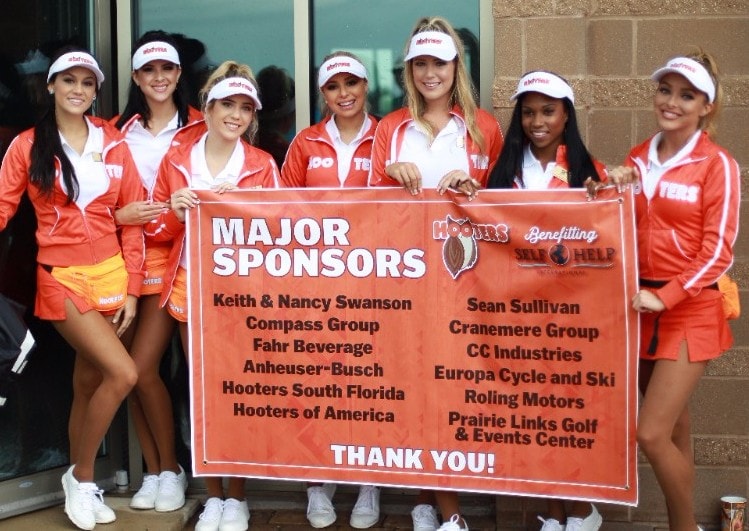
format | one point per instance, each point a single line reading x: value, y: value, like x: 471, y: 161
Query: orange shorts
x: 699, y: 321
x: 177, y: 303
x: 101, y: 287
x: 156, y: 259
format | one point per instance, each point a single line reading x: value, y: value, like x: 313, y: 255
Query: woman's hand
x: 224, y: 187
x: 407, y: 174
x: 646, y: 301
x: 125, y: 315
x: 139, y: 212
x: 459, y: 181
x: 182, y: 200
x: 621, y: 177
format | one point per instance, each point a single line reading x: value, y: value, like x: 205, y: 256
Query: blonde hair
x: 225, y: 70
x: 462, y: 95
x: 324, y: 110
x: 708, y: 122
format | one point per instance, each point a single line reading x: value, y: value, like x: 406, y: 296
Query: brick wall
x: 607, y: 50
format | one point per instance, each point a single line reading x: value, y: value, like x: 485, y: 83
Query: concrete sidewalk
x: 269, y: 511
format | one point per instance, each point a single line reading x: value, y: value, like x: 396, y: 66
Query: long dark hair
x: 136, y: 101
x: 47, y: 145
x: 510, y: 163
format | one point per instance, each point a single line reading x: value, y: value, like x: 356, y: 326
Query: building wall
x: 607, y: 50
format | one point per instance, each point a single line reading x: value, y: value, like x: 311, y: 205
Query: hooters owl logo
x: 459, y: 251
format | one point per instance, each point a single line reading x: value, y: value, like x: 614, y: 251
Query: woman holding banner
x: 156, y: 108
x: 543, y: 150
x: 336, y: 153
x: 687, y: 208
x: 441, y: 140
x: 77, y: 170
x: 215, y: 154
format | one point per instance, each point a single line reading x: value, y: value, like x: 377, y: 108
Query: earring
x: 94, y: 98
x: 51, y: 91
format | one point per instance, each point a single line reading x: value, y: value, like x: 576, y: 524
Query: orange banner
x: 367, y: 336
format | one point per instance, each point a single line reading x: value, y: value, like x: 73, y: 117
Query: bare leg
x: 86, y: 379
x: 448, y: 503
x: 662, y: 432
x: 235, y: 488
x: 214, y: 486
x: 425, y: 497
x: 93, y: 338
x: 556, y: 510
x: 151, y: 405
x: 580, y: 509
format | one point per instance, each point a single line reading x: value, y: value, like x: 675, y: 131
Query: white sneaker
x: 551, y: 524
x: 590, y: 523
x: 145, y: 498
x: 79, y: 500
x: 320, y: 511
x: 454, y: 524
x: 103, y: 514
x: 236, y: 515
x: 171, y: 494
x: 366, y: 512
x: 210, y: 518
x: 425, y: 518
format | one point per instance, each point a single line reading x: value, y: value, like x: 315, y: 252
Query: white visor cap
x: 73, y: 59
x: 695, y: 73
x: 336, y: 65
x: 231, y: 86
x: 153, y: 51
x: 546, y: 83
x: 433, y: 43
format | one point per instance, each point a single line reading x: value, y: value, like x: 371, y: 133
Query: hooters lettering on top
x: 683, y: 65
x: 338, y: 65
x: 429, y: 40
x: 153, y: 49
x: 320, y: 162
x: 114, y: 171
x: 536, y: 80
x: 80, y: 59
x: 678, y: 191
x: 237, y: 84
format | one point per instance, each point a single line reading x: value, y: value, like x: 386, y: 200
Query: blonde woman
x: 687, y: 211
x: 441, y: 140
x: 215, y: 154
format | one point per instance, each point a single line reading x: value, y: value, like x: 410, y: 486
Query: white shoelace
x: 423, y: 514
x: 169, y: 483
x: 366, y: 498
x: 150, y: 485
x: 88, y: 493
x: 231, y: 509
x: 318, y: 501
x: 213, y: 509
x: 550, y: 524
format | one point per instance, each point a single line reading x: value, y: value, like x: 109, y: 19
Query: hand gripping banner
x: 367, y: 336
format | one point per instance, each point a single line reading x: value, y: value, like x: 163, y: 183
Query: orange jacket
x: 686, y: 232
x: 260, y: 171
x: 392, y: 128
x: 311, y: 160
x: 193, y: 115
x: 67, y: 235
